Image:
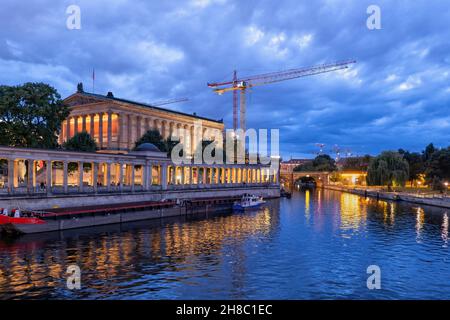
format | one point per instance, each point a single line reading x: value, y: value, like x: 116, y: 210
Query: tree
x: 81, y: 142
x: 388, y: 169
x: 31, y: 115
x: 154, y: 137
x: 356, y: 163
x: 438, y: 168
x: 322, y: 162
x: 416, y: 165
x: 428, y: 152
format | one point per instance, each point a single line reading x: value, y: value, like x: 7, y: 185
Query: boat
x: 27, y: 221
x: 248, y: 201
x: 285, y: 194
x: 17, y: 221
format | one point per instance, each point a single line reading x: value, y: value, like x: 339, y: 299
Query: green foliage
x: 438, y: 168
x: 429, y: 150
x: 322, y: 162
x: 416, y: 164
x: 356, y: 163
x: 81, y: 142
x: 154, y: 137
x: 388, y: 169
x: 31, y: 115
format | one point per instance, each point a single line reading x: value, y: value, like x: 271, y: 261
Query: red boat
x: 22, y: 220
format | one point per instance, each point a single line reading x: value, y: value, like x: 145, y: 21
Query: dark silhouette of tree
x: 438, y: 169
x: 81, y: 142
x: 31, y: 115
x: 322, y: 162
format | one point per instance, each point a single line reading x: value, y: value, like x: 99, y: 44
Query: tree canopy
x: 154, y: 137
x: 438, y: 168
x: 388, y: 169
x: 322, y: 162
x: 81, y: 142
x: 356, y: 163
x: 31, y: 115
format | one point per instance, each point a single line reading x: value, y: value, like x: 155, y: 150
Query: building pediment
x: 81, y: 99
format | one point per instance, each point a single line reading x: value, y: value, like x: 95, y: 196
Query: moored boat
x: 248, y: 201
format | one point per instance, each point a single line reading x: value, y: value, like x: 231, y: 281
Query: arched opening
x: 306, y: 182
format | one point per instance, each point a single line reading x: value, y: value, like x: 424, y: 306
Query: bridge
x: 288, y: 178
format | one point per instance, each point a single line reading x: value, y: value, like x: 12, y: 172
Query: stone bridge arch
x: 288, y: 180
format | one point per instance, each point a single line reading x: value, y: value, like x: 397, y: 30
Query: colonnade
x: 119, y: 130
x: 112, y: 173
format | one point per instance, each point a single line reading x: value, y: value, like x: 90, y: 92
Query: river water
x: 317, y: 245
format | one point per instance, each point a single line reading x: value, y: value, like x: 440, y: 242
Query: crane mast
x: 242, y: 84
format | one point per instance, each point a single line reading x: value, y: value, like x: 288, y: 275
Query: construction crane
x: 242, y: 84
x: 320, y: 146
x: 169, y: 101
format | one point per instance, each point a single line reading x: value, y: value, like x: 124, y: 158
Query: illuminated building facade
x: 116, y: 124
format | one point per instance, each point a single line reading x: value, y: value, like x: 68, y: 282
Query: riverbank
x: 437, y: 201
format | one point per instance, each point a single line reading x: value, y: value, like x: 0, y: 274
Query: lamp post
x: 446, y: 187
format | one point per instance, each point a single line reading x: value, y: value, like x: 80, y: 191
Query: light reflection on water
x: 316, y: 245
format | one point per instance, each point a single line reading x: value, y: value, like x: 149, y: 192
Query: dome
x: 147, y: 147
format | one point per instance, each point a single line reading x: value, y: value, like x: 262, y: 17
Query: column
x: 204, y: 176
x: 150, y: 177
x: 132, y: 177
x: 30, y: 182
x: 92, y: 126
x: 65, y: 176
x: 75, y: 125
x: 121, y: 177
x: 190, y: 176
x: 138, y: 127
x: 80, y: 176
x: 48, y: 178
x: 108, y: 176
x: 95, y: 176
x: 130, y: 127
x: 11, y: 176
x: 183, y: 176
x: 120, y: 130
x: 109, y: 130
x: 147, y: 124
x: 174, y: 175
x: 145, y: 176
x: 100, y: 130
x: 164, y: 176
x: 83, y: 125
x: 68, y: 128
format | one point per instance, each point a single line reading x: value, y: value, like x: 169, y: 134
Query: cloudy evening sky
x: 396, y: 96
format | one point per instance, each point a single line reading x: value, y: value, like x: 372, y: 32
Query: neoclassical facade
x: 116, y: 124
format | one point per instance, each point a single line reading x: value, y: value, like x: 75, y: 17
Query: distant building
x: 290, y: 165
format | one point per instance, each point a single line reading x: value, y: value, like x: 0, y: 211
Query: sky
x: 397, y: 95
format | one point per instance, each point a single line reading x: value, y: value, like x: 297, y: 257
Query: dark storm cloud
x: 397, y: 95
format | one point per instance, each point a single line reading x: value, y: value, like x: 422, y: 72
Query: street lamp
x: 446, y: 186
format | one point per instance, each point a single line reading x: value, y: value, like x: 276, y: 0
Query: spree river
x: 317, y: 245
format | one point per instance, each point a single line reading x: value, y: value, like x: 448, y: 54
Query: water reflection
x: 166, y: 246
x: 445, y: 230
x: 353, y: 212
x: 316, y: 245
